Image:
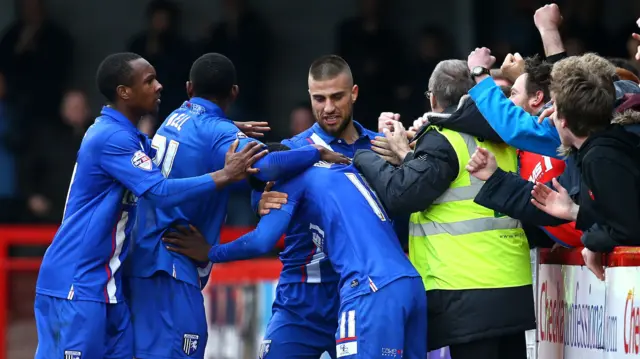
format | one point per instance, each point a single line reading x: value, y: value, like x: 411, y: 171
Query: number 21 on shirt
x: 165, y: 153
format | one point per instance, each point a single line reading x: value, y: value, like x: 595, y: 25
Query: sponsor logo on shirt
x: 393, y: 353
x: 142, y: 161
x: 240, y: 135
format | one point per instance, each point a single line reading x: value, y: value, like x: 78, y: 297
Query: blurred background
x: 50, y: 49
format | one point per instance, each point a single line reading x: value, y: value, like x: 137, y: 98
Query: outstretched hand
x: 238, y: 165
x: 556, y: 203
x: 327, y: 155
x: 253, y: 128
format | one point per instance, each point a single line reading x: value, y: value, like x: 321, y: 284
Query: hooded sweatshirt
x: 609, y: 201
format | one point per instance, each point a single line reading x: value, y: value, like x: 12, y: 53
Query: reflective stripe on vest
x: 466, y: 192
x: 457, y: 244
x: 463, y: 227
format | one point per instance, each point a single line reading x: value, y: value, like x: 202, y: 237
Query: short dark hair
x: 213, y: 75
x: 328, y: 67
x: 115, y: 70
x: 254, y: 182
x: 538, y: 76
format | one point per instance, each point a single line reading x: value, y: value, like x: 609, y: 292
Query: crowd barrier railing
x: 582, y: 317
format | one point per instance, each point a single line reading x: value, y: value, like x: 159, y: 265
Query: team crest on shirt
x: 72, y: 354
x: 264, y: 348
x: 142, y: 161
x: 190, y: 343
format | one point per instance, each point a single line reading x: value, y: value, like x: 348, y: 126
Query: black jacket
x: 610, y: 195
x: 454, y: 316
x: 510, y: 194
x: 429, y: 170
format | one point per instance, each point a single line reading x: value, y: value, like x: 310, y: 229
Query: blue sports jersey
x: 112, y: 169
x: 349, y: 225
x: 301, y: 259
x: 346, y: 221
x: 192, y: 141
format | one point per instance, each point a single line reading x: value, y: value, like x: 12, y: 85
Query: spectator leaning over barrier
x: 608, y: 156
x: 474, y: 262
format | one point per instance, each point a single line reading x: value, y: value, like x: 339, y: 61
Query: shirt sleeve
x: 513, y: 124
x: 275, y: 166
x: 255, y: 243
x: 257, y: 195
x: 295, y: 189
x: 418, y: 182
x: 270, y: 228
x: 123, y: 158
x: 224, y: 135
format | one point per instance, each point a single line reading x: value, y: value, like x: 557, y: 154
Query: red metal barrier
x: 12, y: 235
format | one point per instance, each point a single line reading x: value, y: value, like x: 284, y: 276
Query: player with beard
x: 305, y: 311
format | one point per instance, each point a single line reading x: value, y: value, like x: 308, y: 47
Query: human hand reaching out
x: 556, y: 203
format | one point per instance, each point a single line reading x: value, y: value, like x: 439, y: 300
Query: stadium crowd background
x: 48, y: 98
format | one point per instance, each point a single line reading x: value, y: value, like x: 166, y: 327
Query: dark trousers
x: 512, y: 346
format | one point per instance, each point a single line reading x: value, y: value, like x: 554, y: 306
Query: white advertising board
x: 571, y: 313
x: 623, y: 313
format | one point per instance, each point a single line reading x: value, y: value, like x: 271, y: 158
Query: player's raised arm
x: 123, y: 158
x: 279, y: 165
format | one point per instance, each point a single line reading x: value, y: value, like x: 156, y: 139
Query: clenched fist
x: 482, y: 164
x: 480, y: 57
x: 512, y: 67
x: 548, y: 18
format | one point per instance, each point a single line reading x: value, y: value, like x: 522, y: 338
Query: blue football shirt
x: 113, y: 168
x: 348, y: 224
x: 192, y: 141
x: 302, y: 261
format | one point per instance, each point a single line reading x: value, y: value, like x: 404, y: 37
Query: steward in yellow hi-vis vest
x: 455, y: 233
x: 474, y: 262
